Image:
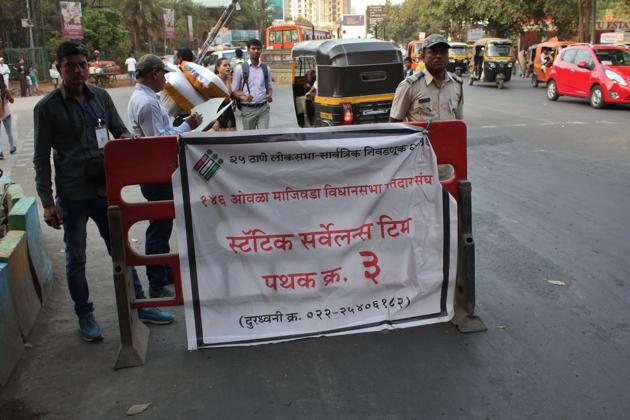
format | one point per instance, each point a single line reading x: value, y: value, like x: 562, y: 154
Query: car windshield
x: 610, y: 57
x: 458, y: 50
x: 498, y: 50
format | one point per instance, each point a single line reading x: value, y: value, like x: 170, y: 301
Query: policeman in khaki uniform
x: 432, y: 94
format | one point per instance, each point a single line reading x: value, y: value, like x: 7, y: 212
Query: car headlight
x: 450, y: 60
x: 615, y: 77
x: 491, y: 65
x: 510, y: 64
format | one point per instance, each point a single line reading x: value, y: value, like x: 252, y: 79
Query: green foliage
x: 104, y: 31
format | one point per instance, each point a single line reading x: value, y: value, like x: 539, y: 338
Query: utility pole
x: 30, y: 23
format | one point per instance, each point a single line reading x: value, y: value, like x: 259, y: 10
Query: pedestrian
x: 432, y: 94
x: 227, y: 120
x: 32, y: 74
x: 252, y: 86
x: 407, y: 66
x: 75, y: 121
x: 131, y: 69
x: 29, y: 81
x: 5, y: 116
x: 238, y: 58
x: 521, y: 61
x: 149, y: 118
x: 20, y: 68
x: 183, y: 54
x: 5, y: 71
x: 54, y: 74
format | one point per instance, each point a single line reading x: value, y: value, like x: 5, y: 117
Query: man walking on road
x: 149, y: 118
x: 432, y: 94
x: 75, y: 121
x: 131, y: 69
x: 251, y: 85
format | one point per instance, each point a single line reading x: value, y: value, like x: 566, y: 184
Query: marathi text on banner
x: 71, y: 20
x: 169, y: 23
x: 330, y: 231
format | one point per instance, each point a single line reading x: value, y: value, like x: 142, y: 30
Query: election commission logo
x: 208, y: 165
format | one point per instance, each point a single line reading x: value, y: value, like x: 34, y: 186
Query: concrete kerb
x: 25, y: 276
x: 12, y: 345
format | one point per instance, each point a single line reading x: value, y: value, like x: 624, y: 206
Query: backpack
x: 245, y: 67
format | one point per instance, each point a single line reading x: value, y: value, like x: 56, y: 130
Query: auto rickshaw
x: 414, y: 50
x: 492, y: 61
x: 355, y: 79
x: 457, y: 58
x: 547, y: 52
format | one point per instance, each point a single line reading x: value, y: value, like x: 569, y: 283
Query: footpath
x: 59, y: 376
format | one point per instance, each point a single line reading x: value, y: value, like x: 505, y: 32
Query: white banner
x: 292, y: 234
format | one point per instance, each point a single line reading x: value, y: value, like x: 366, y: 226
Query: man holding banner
x: 149, y: 118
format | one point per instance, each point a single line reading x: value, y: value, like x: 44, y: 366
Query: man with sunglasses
x: 148, y: 119
x: 75, y: 120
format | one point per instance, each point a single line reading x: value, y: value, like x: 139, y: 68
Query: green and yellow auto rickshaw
x: 354, y: 79
x: 457, y: 58
x: 492, y: 61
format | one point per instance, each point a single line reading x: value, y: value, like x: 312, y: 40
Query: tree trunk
x: 584, y: 20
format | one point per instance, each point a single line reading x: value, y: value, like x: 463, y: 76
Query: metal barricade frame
x: 152, y: 160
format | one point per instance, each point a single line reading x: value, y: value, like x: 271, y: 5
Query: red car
x: 600, y: 73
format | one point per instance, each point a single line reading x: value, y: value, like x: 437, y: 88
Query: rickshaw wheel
x: 458, y: 71
x: 500, y: 83
x: 552, y: 90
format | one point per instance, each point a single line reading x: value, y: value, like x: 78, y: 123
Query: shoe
x: 89, y: 329
x: 13, y: 149
x: 155, y: 316
x: 161, y: 292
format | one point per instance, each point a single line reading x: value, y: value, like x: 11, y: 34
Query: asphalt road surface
x: 551, y: 200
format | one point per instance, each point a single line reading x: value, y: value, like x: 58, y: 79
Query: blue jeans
x: 75, y: 215
x: 158, y: 235
x: 7, y: 126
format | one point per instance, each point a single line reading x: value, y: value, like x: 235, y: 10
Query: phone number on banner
x: 252, y: 321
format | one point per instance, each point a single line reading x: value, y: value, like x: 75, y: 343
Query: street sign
x: 375, y: 14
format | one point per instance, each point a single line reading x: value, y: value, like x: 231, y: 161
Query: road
x: 551, y: 193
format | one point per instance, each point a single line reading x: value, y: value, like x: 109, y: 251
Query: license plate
x: 325, y: 115
x: 374, y: 112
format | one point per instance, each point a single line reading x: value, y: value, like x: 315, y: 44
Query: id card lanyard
x: 102, y: 135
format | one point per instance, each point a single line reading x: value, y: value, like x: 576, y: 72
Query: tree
x: 104, y: 31
x: 143, y: 19
x: 255, y: 14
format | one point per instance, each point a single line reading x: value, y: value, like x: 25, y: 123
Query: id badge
x: 102, y: 135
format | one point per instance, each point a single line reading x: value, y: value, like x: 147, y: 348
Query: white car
x: 211, y: 59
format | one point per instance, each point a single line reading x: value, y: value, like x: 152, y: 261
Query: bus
x: 285, y: 36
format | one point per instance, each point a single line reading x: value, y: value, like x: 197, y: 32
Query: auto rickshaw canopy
x: 349, y: 52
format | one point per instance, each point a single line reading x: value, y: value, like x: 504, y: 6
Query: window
x: 583, y: 55
x: 610, y: 57
x: 568, y: 55
x: 303, y: 65
x: 498, y: 50
x: 373, y: 76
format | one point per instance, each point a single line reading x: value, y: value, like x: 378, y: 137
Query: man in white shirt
x: 131, y: 69
x: 5, y: 71
x: 149, y: 118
